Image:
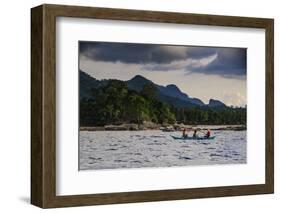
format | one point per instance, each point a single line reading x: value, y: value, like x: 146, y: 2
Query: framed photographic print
x: 136, y: 106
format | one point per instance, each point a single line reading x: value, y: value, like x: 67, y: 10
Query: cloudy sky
x: 201, y: 72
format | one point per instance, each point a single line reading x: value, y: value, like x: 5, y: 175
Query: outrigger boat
x: 193, y: 138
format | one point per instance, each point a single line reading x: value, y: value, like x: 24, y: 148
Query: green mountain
x: 169, y: 94
x: 110, y: 101
x: 86, y: 83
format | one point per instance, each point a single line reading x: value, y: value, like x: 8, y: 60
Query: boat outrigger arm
x: 193, y: 138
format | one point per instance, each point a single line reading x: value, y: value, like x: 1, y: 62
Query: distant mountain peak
x: 213, y: 101
x: 137, y: 83
x: 173, y: 87
x: 139, y: 77
x: 216, y: 103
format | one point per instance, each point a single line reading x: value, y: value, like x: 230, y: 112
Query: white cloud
x: 234, y: 99
x: 181, y: 64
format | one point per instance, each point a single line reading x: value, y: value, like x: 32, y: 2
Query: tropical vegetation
x: 115, y: 103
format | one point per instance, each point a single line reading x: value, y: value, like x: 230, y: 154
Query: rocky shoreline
x: 164, y: 128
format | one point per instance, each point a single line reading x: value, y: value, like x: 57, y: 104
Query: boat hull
x: 192, y: 138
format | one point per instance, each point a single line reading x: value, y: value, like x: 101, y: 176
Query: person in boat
x: 208, y: 134
x: 194, y: 134
x: 184, y: 133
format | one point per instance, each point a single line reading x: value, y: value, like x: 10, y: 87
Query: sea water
x: 154, y: 148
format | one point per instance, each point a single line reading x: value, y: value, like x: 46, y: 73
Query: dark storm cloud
x: 228, y: 61
x: 132, y: 53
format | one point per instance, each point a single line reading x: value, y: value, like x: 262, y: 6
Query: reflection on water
x: 153, y: 148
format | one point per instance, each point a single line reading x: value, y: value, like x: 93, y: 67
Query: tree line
x: 115, y: 103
